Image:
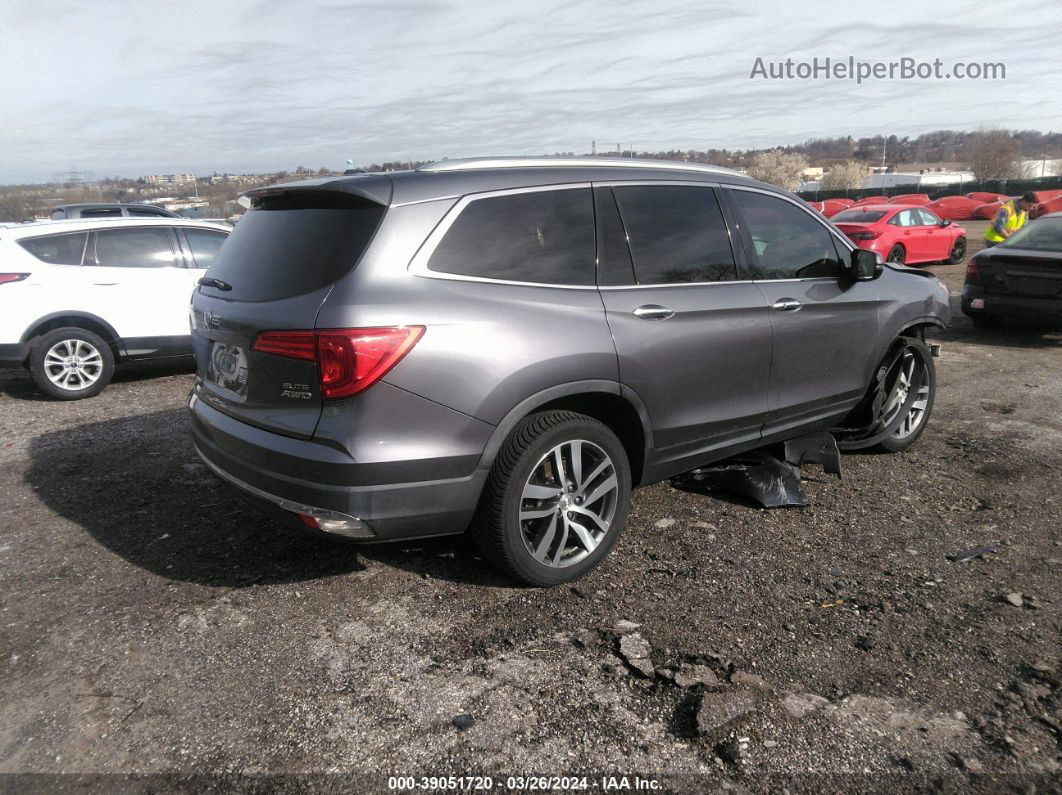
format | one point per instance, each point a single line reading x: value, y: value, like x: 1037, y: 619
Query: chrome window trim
x: 714, y: 284
x: 418, y: 266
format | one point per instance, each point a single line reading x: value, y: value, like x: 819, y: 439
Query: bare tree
x: 847, y: 175
x: 994, y: 154
x: 14, y: 207
x: 778, y: 168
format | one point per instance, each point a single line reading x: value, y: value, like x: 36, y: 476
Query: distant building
x: 812, y: 173
x: 170, y: 179
x: 916, y: 179
x: 1041, y: 167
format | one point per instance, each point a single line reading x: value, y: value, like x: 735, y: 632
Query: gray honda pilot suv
x: 509, y: 346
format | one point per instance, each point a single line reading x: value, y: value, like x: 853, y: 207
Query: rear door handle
x: 105, y: 284
x: 787, y: 305
x: 653, y: 312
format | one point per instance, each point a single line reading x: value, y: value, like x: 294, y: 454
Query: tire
x: 918, y: 415
x: 897, y: 255
x: 549, y: 545
x: 71, y: 363
x: 958, y: 251
x: 985, y: 321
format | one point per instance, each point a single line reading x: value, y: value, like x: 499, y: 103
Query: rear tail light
x: 865, y: 235
x: 973, y: 276
x: 12, y: 277
x: 349, y: 361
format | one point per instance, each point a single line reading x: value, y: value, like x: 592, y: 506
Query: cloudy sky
x: 141, y: 86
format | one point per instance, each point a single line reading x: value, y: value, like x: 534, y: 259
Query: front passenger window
x: 787, y: 242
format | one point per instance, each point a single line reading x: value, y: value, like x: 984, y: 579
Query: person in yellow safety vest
x: 1009, y: 219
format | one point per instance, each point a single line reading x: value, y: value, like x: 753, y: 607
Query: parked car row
x: 977, y: 204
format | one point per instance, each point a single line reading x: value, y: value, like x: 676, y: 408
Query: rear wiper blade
x: 209, y: 281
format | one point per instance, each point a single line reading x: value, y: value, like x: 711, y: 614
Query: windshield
x: 1042, y: 235
x: 858, y: 216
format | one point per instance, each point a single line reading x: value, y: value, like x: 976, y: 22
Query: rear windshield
x: 1044, y: 235
x: 858, y: 216
x: 291, y: 244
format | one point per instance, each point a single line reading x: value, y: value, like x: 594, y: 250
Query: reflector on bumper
x: 323, y: 519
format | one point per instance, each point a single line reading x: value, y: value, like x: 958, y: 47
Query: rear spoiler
x: 374, y: 188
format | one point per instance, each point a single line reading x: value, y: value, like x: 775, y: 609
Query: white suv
x: 77, y: 296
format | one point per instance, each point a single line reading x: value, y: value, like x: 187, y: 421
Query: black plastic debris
x: 762, y: 477
x: 757, y: 475
x: 970, y: 554
x: 815, y: 448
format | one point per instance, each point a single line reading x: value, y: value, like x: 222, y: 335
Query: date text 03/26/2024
x: 523, y: 783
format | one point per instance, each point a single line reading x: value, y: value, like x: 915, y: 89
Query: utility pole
x: 884, y: 141
x: 593, y: 147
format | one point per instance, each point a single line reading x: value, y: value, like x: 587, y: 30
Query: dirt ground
x: 152, y: 625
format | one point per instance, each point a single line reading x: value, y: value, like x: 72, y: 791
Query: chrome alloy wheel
x: 568, y: 503
x: 73, y: 364
x: 912, y: 376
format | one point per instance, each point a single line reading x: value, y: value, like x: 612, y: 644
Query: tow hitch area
x: 760, y: 476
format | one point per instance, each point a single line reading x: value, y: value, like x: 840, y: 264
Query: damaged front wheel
x: 897, y: 407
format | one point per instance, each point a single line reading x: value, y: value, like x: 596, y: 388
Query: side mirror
x: 866, y: 265
x: 945, y: 222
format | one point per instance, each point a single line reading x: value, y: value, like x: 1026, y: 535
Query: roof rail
x: 473, y: 163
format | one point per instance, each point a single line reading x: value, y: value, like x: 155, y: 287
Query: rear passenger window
x: 57, y: 249
x: 677, y: 234
x: 543, y: 237
x: 134, y: 248
x: 788, y: 242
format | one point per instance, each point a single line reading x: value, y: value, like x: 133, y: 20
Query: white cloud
x: 131, y: 87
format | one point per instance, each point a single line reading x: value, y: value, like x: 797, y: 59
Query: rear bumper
x: 13, y: 354
x: 289, y: 476
x: 976, y: 302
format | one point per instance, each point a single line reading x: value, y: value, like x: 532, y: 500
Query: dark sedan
x: 1020, y: 278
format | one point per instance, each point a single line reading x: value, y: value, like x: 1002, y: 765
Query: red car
x: 903, y: 234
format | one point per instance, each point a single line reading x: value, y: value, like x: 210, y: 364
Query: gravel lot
x: 152, y: 625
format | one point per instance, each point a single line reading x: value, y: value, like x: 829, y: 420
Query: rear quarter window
x: 540, y: 237
x: 57, y: 249
x: 858, y: 217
